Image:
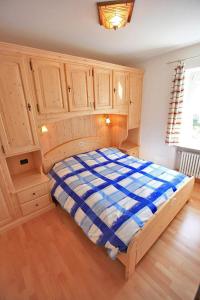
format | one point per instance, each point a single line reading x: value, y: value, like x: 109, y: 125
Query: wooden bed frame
x: 146, y: 237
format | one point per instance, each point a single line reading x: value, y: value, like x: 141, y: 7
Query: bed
x: 121, y: 202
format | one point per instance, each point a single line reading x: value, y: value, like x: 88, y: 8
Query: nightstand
x: 30, y: 186
x: 33, y: 195
x: 130, y: 149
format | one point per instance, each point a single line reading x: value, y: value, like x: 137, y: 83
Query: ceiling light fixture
x: 115, y: 14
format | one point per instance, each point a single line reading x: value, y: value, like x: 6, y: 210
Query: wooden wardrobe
x: 70, y: 95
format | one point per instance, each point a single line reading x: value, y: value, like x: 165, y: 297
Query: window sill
x: 191, y: 147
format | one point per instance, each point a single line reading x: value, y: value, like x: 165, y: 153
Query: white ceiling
x: 71, y: 26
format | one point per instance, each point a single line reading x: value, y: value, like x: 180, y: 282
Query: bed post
x: 131, y: 261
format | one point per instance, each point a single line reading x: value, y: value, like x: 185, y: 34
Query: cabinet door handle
x: 38, y: 108
x: 2, y: 148
x: 29, y: 106
x: 114, y: 90
x: 69, y: 89
x: 131, y: 102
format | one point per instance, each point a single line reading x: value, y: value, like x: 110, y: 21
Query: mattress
x: 112, y: 195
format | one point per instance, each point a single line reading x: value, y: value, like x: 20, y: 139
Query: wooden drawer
x: 33, y: 193
x: 34, y: 205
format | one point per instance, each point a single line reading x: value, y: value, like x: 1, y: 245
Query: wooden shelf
x: 128, y: 145
x: 28, y: 179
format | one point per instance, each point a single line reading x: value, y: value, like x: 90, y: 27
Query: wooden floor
x: 50, y: 258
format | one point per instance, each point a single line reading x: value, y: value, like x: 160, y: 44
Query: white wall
x: 157, y: 84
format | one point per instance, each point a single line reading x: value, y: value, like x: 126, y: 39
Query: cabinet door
x: 49, y: 78
x: 135, y: 100
x: 121, y: 89
x: 79, y: 85
x: 17, y: 127
x: 5, y: 215
x: 103, y: 88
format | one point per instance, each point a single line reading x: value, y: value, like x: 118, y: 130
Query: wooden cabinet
x: 4, y: 212
x: 35, y: 205
x: 50, y: 86
x: 130, y: 149
x: 34, y: 192
x: 133, y: 151
x: 79, y: 85
x: 17, y: 127
x: 5, y: 216
x: 135, y: 100
x: 103, y: 88
x: 121, y: 88
x: 34, y: 197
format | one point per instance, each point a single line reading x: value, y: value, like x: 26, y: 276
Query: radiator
x: 190, y: 163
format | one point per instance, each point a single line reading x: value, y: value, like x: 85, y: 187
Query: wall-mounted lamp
x: 44, y: 129
x: 107, y: 120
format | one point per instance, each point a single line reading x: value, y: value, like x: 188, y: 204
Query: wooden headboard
x: 80, y: 134
x: 72, y: 148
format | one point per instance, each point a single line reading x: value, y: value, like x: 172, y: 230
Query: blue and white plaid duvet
x: 111, y: 195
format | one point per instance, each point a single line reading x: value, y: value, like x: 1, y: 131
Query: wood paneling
x: 103, y: 88
x: 17, y: 127
x: 73, y: 132
x: 5, y: 212
x: 66, y: 130
x: 5, y: 216
x: 121, y: 88
x: 118, y: 129
x: 50, y: 86
x: 79, y: 86
x: 73, y: 147
x: 135, y: 98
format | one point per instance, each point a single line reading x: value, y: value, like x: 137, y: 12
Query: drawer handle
x: 34, y: 194
x: 36, y: 204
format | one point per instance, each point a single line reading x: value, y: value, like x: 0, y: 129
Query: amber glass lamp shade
x: 115, y: 14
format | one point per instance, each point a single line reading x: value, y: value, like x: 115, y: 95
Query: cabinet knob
x: 131, y: 102
x: 2, y: 149
x: 34, y: 194
x: 69, y: 89
x: 37, y: 204
x: 29, y: 106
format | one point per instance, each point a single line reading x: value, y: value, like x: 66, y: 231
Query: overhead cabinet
x: 120, y: 88
x: 103, y: 88
x: 17, y: 127
x: 72, y: 87
x: 50, y: 86
x: 79, y: 86
x: 135, y: 101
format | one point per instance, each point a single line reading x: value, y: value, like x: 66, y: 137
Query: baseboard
x: 22, y: 220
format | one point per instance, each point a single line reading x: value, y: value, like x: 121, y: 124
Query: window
x: 190, y: 131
